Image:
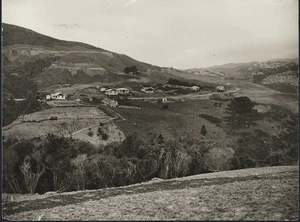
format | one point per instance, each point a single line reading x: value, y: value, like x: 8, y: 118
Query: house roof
x: 122, y: 89
x: 109, y: 90
x: 57, y: 94
x: 147, y: 88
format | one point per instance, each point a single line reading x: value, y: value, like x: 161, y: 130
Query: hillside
x: 257, y: 72
x: 269, y: 193
x: 60, y: 62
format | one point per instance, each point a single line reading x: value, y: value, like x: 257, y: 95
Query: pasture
x: 172, y: 124
x: 68, y: 121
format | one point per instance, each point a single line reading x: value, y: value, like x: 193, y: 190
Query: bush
x: 104, y: 136
x: 203, y: 130
x: 165, y: 106
x: 90, y: 133
x: 212, y: 119
x: 219, y: 159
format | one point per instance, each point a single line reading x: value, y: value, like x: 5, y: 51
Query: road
x: 181, y: 97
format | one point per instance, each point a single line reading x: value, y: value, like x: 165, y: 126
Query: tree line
x: 61, y: 164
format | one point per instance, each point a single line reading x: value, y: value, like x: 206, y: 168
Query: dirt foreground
x: 269, y: 193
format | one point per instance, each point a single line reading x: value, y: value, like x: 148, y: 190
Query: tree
x: 10, y: 173
x: 132, y: 69
x: 203, y: 130
x: 59, y: 152
x: 241, y: 112
x: 219, y: 159
x: 31, y: 175
x: 80, y: 164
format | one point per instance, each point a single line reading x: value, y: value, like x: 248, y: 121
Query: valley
x: 81, y: 119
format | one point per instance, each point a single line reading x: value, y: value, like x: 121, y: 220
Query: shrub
x: 165, y: 106
x: 219, y: 159
x: 104, y: 136
x: 90, y: 133
x: 203, y: 130
x: 212, y: 119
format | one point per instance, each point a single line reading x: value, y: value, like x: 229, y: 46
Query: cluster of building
x: 56, y: 96
x: 115, y: 92
x: 147, y: 89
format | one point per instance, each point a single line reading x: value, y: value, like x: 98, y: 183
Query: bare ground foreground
x: 269, y: 193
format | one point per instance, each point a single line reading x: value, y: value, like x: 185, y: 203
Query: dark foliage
x: 212, y: 119
x: 131, y: 69
x: 241, y: 113
x: 178, y: 82
x: 203, y: 130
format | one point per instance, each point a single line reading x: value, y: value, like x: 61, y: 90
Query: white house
x: 102, y: 89
x: 195, y: 88
x: 123, y: 91
x: 147, y: 90
x: 57, y: 96
x: 220, y: 88
x: 110, y: 102
x: 20, y: 100
x: 111, y: 92
x: 48, y: 97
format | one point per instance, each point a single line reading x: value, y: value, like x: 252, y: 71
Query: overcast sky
x: 177, y: 33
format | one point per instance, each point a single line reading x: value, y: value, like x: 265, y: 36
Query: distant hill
x: 257, y: 72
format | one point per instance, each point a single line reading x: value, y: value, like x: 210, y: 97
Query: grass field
x: 69, y: 120
x: 269, y: 193
x: 180, y: 120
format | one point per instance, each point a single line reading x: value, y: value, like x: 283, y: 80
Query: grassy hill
x: 269, y: 193
x: 25, y: 50
x: 256, y: 72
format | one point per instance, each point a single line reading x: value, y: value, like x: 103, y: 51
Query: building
x: 195, y: 88
x: 111, y: 92
x: 110, y: 102
x: 123, y: 91
x: 20, y: 100
x: 102, y: 89
x: 147, y: 90
x: 57, y: 96
x: 220, y: 88
x: 48, y: 97
x: 162, y: 100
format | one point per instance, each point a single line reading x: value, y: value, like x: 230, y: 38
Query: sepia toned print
x: 150, y: 110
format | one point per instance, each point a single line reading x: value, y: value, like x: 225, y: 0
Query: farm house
x: 57, y: 96
x: 110, y: 102
x: 147, y: 90
x: 220, y: 88
x: 102, y: 89
x: 195, y: 88
x: 111, y: 92
x: 123, y: 91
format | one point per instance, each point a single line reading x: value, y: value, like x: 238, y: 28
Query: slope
x: 25, y: 50
x: 269, y: 193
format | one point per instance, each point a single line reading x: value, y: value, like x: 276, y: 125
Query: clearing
x: 66, y: 121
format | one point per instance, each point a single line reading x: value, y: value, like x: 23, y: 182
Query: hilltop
x: 279, y: 74
x: 269, y: 193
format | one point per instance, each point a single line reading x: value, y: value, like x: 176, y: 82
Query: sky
x: 168, y: 33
